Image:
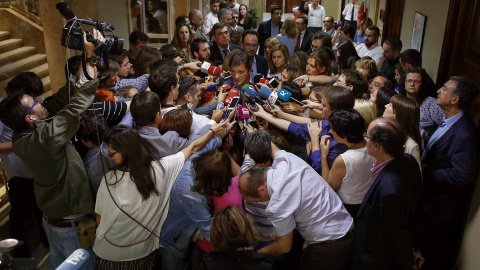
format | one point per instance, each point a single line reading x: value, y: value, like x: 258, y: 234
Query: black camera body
x: 72, y: 34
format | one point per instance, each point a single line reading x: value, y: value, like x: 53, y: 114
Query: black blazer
x: 451, y: 169
x: 385, y: 220
x: 264, y: 32
x: 215, y: 53
x: 262, y: 65
x: 306, y: 41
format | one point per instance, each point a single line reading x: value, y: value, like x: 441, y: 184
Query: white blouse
x: 130, y: 240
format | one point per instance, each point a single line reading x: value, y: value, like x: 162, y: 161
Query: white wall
x: 436, y: 12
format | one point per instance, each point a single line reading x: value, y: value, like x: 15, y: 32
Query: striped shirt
x: 378, y: 167
x: 113, y: 111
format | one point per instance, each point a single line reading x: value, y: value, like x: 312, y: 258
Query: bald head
x: 196, y: 17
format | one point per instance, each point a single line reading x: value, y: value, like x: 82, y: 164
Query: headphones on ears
x: 32, y: 118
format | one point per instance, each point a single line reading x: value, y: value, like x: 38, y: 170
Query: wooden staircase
x: 16, y: 58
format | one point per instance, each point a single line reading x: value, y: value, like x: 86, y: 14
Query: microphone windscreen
x: 265, y: 92
x: 264, y: 81
x: 233, y: 93
x: 243, y: 113
x: 284, y: 94
x: 214, y: 71
x: 249, y: 92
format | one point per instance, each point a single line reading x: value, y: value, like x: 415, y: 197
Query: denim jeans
x: 169, y: 261
x: 63, y: 242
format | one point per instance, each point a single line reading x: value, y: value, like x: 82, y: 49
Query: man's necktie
x: 353, y: 12
x: 225, y: 53
x: 299, y: 39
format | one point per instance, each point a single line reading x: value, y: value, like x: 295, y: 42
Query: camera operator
x: 62, y: 189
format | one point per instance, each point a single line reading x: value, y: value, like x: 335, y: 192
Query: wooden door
x: 392, y: 23
x: 461, y: 46
x: 270, y: 3
x: 289, y: 4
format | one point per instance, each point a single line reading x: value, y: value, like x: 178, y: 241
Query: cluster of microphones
x: 261, y: 95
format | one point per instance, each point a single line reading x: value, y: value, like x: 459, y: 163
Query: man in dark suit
x: 221, y: 47
x: 384, y: 224
x: 270, y: 28
x: 305, y: 37
x: 250, y: 45
x: 450, y: 167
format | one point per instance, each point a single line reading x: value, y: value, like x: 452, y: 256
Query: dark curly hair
x: 92, y: 128
x: 348, y: 124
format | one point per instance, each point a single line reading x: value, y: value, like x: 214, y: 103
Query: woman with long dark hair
x: 303, y: 8
x: 182, y: 39
x: 380, y: 98
x: 136, y: 192
x: 346, y: 55
x: 144, y: 58
x: 244, y: 19
x: 407, y: 113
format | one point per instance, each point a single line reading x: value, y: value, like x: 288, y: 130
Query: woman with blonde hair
x: 269, y: 43
x: 182, y: 39
x: 366, y: 109
x: 360, y: 34
x: 288, y: 34
x: 277, y: 60
x: 232, y: 236
x: 367, y: 67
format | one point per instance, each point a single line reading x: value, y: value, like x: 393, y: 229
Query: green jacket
x: 61, y: 184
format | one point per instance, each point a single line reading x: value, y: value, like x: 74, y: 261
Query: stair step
x: 10, y: 44
x: 10, y: 70
x: 46, y: 84
x: 41, y: 71
x: 4, y: 35
x: 16, y: 54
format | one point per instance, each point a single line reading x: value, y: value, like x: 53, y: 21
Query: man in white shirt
x: 316, y: 15
x: 350, y: 13
x: 371, y: 47
x: 312, y: 207
x: 233, y: 4
x: 211, y: 18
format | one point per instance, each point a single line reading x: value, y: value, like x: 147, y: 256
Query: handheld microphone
x: 76, y: 260
x: 286, y: 96
x: 213, y: 80
x: 265, y: 81
x: 251, y: 93
x: 210, y: 70
x: 233, y: 93
x: 209, y: 93
x: 269, y: 95
x: 244, y: 115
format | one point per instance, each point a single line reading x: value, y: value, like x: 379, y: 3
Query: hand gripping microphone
x: 243, y: 115
x: 286, y: 96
